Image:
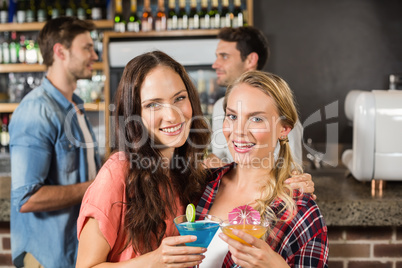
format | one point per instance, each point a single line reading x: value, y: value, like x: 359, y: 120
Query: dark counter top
x: 343, y: 200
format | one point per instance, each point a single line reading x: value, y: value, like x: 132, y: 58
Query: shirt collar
x: 59, y: 97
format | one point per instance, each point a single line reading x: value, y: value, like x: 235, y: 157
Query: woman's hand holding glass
x: 174, y: 253
x: 203, y: 226
x: 258, y: 254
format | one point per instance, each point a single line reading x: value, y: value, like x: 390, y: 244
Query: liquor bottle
x: 5, y: 136
x: 38, y: 53
x: 22, y: 50
x: 226, y: 15
x: 204, y: 15
x: 14, y: 48
x: 193, y: 20
x: 215, y: 18
x: 4, y: 12
x: 71, y: 8
x: 1, y: 48
x: 6, y: 49
x: 182, y: 21
x: 31, y: 11
x: 83, y: 10
x: 96, y: 11
x: 107, y: 9
x: 41, y: 13
x: 238, y: 20
x: 56, y: 10
x: 21, y: 11
x: 160, y: 20
x: 49, y: 9
x: 119, y: 22
x: 31, y: 54
x: 147, y: 19
x: 172, y: 16
x: 134, y: 22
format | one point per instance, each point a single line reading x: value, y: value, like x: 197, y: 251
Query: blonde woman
x: 260, y: 112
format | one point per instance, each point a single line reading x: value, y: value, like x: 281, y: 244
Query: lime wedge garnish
x: 190, y: 213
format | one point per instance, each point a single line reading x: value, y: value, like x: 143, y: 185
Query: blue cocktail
x: 204, y: 227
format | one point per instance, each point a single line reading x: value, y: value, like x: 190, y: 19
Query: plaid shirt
x: 302, y: 242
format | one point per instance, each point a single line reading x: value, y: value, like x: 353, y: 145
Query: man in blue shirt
x: 54, y: 155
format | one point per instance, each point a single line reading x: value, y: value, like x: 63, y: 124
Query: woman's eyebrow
x: 250, y: 114
x: 160, y: 99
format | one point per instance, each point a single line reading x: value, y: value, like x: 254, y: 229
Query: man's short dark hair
x: 248, y: 39
x: 62, y: 30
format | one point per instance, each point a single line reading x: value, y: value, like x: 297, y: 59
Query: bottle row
x: 24, y: 49
x: 189, y: 14
x: 21, y: 11
x: 129, y: 16
x: 15, y: 86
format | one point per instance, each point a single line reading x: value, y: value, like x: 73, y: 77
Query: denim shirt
x: 47, y: 147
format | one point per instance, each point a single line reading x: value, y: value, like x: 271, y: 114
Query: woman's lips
x: 172, y: 130
x: 243, y: 147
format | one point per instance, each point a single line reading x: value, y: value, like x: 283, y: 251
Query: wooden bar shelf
x: 25, y: 68
x: 8, y: 107
x: 175, y: 33
x: 37, y: 26
x: 89, y: 107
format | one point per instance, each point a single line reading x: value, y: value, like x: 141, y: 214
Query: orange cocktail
x: 256, y: 230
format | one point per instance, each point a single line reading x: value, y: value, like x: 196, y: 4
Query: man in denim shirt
x: 54, y: 156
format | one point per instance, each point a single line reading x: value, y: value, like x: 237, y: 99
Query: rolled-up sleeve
x: 104, y: 200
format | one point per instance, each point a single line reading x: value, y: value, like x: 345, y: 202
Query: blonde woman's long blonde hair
x: 276, y: 88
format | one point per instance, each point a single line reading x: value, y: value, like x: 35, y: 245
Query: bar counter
x: 343, y: 200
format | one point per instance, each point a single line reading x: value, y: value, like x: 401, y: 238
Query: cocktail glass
x: 256, y: 228
x: 204, y: 227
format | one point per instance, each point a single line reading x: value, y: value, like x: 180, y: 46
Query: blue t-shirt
x: 47, y: 147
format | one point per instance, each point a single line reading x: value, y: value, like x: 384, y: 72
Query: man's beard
x: 81, y: 74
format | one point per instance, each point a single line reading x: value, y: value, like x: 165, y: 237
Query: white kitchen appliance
x: 377, y: 135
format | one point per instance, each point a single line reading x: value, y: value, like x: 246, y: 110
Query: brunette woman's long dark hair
x: 151, y: 190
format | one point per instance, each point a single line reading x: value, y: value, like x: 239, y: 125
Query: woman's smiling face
x: 252, y: 125
x: 166, y: 108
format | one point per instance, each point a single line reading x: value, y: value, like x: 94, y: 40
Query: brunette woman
x: 127, y: 213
